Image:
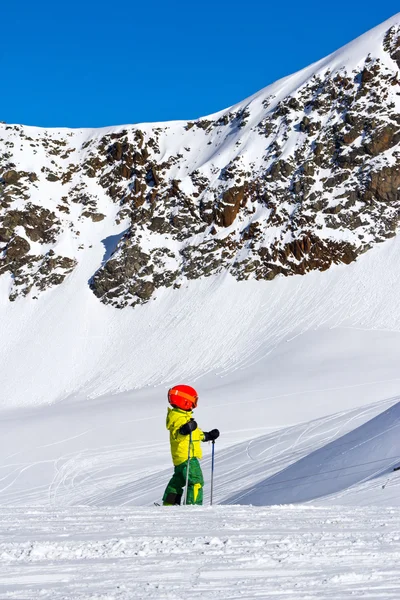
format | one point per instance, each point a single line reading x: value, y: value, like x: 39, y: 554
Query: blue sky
x: 90, y: 64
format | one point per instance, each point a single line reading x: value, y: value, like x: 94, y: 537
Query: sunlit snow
x: 301, y: 375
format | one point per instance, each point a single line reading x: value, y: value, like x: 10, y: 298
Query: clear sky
x: 86, y: 63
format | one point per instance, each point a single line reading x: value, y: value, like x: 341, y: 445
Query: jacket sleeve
x: 188, y: 427
x: 175, y: 427
x: 197, y: 434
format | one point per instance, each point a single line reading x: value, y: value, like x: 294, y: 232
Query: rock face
x: 301, y: 176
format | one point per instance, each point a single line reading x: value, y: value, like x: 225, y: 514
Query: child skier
x: 180, y: 424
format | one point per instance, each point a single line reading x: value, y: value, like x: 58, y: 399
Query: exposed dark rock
x: 11, y: 177
x: 145, y: 290
x: 384, y: 185
x: 5, y: 234
x: 392, y: 44
x: 41, y: 225
x: 17, y: 248
x: 226, y: 212
x: 96, y: 217
x: 382, y: 140
x: 52, y: 177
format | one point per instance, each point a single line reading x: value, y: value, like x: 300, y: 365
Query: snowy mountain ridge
x: 300, y: 176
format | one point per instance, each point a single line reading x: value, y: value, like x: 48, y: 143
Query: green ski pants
x: 174, y: 490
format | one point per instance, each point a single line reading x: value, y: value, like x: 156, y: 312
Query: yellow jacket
x: 176, y: 418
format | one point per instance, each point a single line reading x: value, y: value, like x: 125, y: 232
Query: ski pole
x: 212, y: 471
x: 187, y: 468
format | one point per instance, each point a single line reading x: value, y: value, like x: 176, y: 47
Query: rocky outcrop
x: 384, y: 186
x: 391, y: 44
x: 228, y: 209
x: 39, y: 224
x: 31, y: 272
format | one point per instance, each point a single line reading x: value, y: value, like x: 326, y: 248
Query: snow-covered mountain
x: 254, y: 247
x: 301, y: 175
x: 197, y: 225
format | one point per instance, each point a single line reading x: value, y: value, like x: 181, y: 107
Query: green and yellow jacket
x: 176, y: 418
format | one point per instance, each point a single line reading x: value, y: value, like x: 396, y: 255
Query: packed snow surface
x: 200, y: 553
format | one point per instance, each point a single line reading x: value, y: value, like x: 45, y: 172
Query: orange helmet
x: 183, y: 396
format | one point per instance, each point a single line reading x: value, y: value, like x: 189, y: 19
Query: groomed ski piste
x: 301, y: 376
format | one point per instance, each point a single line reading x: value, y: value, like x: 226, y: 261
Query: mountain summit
x: 302, y: 175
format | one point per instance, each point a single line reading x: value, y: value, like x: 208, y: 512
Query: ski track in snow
x: 135, y: 473
x: 218, y: 552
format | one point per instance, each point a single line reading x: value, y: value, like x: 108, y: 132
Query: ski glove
x: 188, y: 427
x: 210, y: 436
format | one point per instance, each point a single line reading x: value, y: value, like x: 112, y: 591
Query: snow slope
x: 67, y: 343
x: 334, y: 470
x: 280, y: 354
